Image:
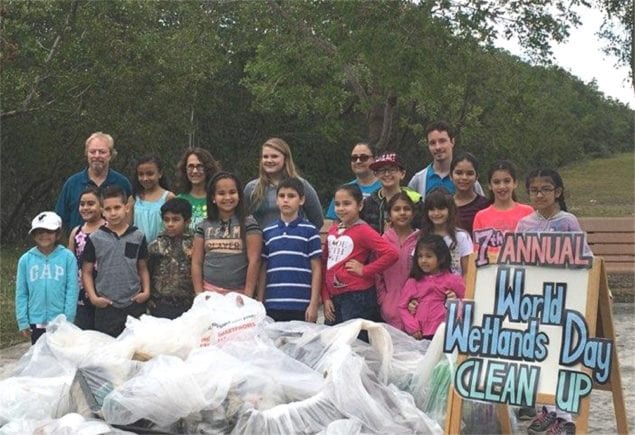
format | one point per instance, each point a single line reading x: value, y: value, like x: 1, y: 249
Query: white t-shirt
x: 463, y: 247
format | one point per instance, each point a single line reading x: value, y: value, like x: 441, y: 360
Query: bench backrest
x: 613, y: 239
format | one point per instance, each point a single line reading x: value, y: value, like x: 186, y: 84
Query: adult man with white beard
x: 99, y: 150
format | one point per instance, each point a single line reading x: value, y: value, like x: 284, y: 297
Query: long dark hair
x: 212, y: 208
x: 440, y: 198
x: 211, y: 165
x: 437, y: 245
x: 502, y: 165
x: 556, y: 180
x: 136, y: 185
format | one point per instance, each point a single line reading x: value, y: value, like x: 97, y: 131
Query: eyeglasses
x: 192, y: 168
x: 543, y: 190
x: 387, y: 170
x: 361, y: 157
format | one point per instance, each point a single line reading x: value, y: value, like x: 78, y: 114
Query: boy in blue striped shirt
x: 290, y: 277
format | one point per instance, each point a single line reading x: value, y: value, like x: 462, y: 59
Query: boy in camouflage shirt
x: 170, y: 262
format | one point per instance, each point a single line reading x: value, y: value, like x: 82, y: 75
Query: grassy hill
x: 601, y: 187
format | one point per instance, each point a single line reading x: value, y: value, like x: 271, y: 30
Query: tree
x: 163, y: 75
x: 379, y: 58
x: 617, y: 30
x: 129, y: 68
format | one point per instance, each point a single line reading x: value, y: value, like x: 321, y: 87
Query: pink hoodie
x: 430, y: 293
x: 391, y: 281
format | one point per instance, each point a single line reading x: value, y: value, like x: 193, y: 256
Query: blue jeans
x: 356, y: 305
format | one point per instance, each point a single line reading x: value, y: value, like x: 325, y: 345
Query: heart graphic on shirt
x: 339, y: 249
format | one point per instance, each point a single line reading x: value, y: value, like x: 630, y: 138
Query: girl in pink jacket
x: 431, y: 284
x: 403, y: 237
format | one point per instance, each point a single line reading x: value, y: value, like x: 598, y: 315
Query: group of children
x: 391, y: 257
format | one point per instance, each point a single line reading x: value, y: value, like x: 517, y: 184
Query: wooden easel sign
x: 525, y: 332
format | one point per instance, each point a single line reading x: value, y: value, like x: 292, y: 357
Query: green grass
x: 8, y: 327
x: 601, y: 187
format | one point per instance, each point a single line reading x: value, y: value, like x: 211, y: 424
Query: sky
x: 582, y: 56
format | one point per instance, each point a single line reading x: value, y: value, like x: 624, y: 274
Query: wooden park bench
x: 614, y: 240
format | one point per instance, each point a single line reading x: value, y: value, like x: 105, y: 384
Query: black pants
x: 167, y: 309
x: 112, y: 320
x: 36, y: 333
x: 85, y: 316
x: 286, y: 315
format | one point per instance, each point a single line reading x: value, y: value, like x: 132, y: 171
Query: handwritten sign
x: 525, y: 332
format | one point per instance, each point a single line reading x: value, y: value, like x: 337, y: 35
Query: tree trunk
x: 380, y: 120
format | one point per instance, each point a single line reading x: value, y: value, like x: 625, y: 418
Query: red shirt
x: 359, y: 242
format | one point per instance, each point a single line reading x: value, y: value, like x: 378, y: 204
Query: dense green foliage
x: 160, y: 76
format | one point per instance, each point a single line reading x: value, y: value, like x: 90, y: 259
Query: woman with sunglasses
x: 362, y: 157
x: 196, y: 168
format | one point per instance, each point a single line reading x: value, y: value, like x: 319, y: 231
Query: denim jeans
x: 356, y: 305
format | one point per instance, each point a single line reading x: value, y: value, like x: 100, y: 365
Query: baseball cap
x: 46, y: 220
x: 387, y: 159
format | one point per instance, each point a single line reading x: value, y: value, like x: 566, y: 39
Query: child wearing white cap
x: 46, y: 282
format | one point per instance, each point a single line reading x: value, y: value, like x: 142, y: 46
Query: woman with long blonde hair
x: 276, y: 164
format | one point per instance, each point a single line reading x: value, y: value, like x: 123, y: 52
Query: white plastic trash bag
x: 162, y: 391
x: 234, y: 316
x: 345, y: 426
x: 70, y: 424
x: 28, y: 397
x: 213, y: 319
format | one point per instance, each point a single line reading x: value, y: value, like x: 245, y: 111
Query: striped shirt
x: 288, y: 250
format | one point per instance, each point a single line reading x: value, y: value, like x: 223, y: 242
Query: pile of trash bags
x: 224, y: 367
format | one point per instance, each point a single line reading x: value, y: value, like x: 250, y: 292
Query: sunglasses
x: 361, y: 157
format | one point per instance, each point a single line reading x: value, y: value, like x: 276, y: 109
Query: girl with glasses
x: 196, y: 168
x: 546, y: 192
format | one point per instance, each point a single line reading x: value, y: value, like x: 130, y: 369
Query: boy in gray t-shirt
x: 122, y: 285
